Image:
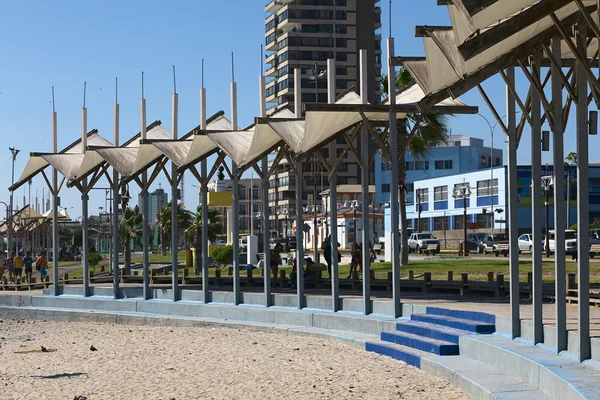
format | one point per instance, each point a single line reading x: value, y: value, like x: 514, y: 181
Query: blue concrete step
x: 428, y: 345
x: 396, y: 351
x: 457, y: 323
x: 431, y: 331
x: 463, y: 314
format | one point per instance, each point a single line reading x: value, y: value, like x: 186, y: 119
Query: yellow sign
x: 220, y: 199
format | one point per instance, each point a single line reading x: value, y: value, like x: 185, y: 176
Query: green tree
x: 223, y: 255
x: 431, y: 132
x: 571, y: 159
x: 185, y: 219
x: 130, y: 229
x: 194, y: 233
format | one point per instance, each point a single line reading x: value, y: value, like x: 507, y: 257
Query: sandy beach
x: 133, y: 362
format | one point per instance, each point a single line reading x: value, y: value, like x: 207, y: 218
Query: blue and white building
x: 439, y: 211
x: 462, y: 154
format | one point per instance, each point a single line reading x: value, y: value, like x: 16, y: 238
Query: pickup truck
x: 490, y: 242
x: 419, y: 241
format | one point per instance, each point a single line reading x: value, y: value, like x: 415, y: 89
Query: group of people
x: 22, y: 263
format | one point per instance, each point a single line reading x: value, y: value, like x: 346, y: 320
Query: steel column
x: 235, y: 223
x: 145, y: 210
x: 204, y: 195
x: 513, y: 216
x: 536, y: 201
x: 84, y: 211
x: 583, y: 201
x: 174, y: 208
x: 54, y: 206
x: 299, y: 235
x: 365, y: 159
x: 264, y: 199
x: 335, y: 285
x: 559, y: 202
x: 394, y: 203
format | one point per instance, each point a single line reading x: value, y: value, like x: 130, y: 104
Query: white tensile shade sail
x: 131, y: 160
x: 246, y: 146
x: 192, y: 149
x: 37, y: 162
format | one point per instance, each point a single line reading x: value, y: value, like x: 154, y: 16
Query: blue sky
x: 66, y: 42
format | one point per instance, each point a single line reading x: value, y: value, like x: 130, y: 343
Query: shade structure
x: 195, y: 145
x: 248, y: 145
x: 513, y: 32
x: 320, y: 127
x: 36, y: 163
x: 26, y: 214
x: 135, y: 156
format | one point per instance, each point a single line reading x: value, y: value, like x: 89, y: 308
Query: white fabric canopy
x: 184, y: 152
x: 37, y: 163
x: 246, y: 146
x: 131, y: 160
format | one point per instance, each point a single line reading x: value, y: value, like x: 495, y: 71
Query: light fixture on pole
x: 463, y: 192
x: 547, y: 182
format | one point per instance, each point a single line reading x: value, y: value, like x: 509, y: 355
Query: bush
x: 94, y: 259
x: 223, y: 255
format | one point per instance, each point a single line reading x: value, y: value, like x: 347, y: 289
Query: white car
x: 419, y: 241
x: 570, y: 242
x: 526, y: 242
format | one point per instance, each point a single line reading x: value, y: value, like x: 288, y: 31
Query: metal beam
x: 383, y: 108
x: 485, y: 39
x: 559, y: 204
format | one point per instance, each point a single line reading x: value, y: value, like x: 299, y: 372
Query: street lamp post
x: 419, y: 209
x: 547, y: 181
x: 463, y: 192
x: 14, y: 153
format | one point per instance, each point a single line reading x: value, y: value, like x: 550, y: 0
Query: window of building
x: 410, y: 187
x: 483, y: 160
x: 424, y: 224
x: 385, y: 166
x: 440, y: 193
x: 484, y: 221
x: 422, y: 165
x: 423, y: 195
x: 410, y: 165
x: 487, y: 187
x: 460, y: 185
x: 443, y: 164
x: 459, y: 221
x: 385, y: 187
x: 440, y: 223
x: 594, y: 185
x: 498, y: 161
x: 457, y: 143
x: 255, y: 194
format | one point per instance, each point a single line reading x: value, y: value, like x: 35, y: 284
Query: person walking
x: 28, y: 265
x: 355, y: 252
x: 42, y: 263
x: 327, y: 254
x: 11, y: 266
x: 18, y: 263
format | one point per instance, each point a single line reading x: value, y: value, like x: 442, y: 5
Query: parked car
x: 419, y: 242
x: 526, y: 242
x: 570, y: 242
x: 491, y: 241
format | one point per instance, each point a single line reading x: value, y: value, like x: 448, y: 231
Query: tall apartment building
x: 305, y: 34
x: 157, y: 199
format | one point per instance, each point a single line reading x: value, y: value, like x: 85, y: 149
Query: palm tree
x: 432, y: 131
x: 130, y: 227
x: 194, y: 232
x: 185, y: 219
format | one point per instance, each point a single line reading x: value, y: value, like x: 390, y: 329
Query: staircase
x: 436, y: 332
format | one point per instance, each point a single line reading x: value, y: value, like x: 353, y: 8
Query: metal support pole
x: 299, y: 235
x: 54, y: 208
x: 145, y: 210
x: 235, y: 223
x: 335, y: 289
x: 464, y: 199
x: 264, y: 198
x: 513, y: 216
x: 204, y: 201
x: 235, y: 233
x: 583, y: 202
x: 394, y: 200
x: 174, y: 208
x: 559, y: 202
x: 115, y: 212
x: 365, y: 158
x: 536, y: 200
x: 84, y: 211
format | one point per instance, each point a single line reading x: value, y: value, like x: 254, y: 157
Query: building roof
x: 349, y: 189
